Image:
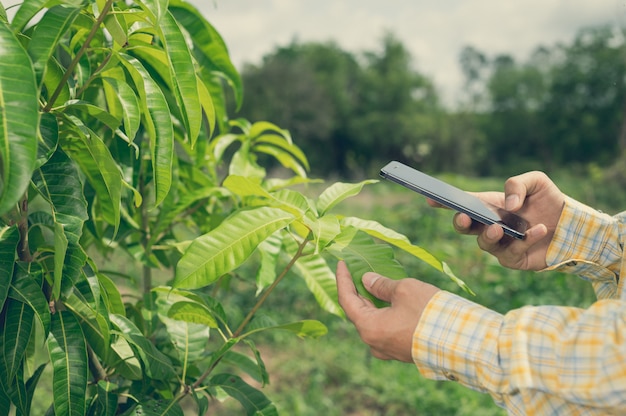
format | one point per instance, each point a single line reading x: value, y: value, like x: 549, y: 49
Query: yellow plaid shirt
x: 542, y: 360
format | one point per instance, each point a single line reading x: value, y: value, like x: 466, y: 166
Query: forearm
x: 533, y: 356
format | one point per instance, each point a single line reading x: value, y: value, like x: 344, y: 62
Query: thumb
x: 379, y: 286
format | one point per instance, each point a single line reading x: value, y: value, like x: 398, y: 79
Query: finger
x: 379, y: 286
x: 517, y: 188
x: 489, y: 239
x: 463, y: 224
x: 434, y: 203
x: 348, y: 297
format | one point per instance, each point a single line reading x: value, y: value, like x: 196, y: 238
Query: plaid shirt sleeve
x: 544, y: 360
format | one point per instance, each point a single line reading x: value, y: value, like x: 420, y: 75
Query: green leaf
x: 119, y: 92
x: 32, y: 383
x: 46, y: 35
x: 337, y: 192
x: 305, y: 329
x: 107, y: 398
x: 362, y: 254
x: 25, y: 288
x: 157, y: 365
x: 9, y: 237
x: 319, y: 278
x: 324, y: 230
x: 19, y: 119
x: 288, y: 200
x: 95, y: 324
x: 269, y: 250
x: 152, y: 407
x: 253, y: 401
x: 207, y: 106
x: 227, y: 246
x: 158, y: 121
x: 98, y: 165
x: 15, y: 335
x: 209, y: 49
x: 60, y: 250
x: 184, y: 76
x: 124, y: 360
x: 192, y: 312
x: 156, y: 9
x: 390, y: 236
x: 254, y: 367
x: 68, y: 355
x: 26, y: 13
x: 58, y: 182
x: 49, y: 130
x: 111, y: 294
x: 3, y: 14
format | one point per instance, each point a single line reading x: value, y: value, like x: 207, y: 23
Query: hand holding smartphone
x: 454, y: 198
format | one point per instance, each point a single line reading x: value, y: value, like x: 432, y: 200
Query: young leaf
x: 26, y: 13
x: 183, y: 74
x: 337, y: 192
x: 390, y: 236
x: 362, y: 254
x: 158, y: 122
x: 192, y: 312
x: 304, y: 329
x: 45, y: 38
x: 120, y: 92
x: 227, y: 246
x: 157, y: 365
x: 98, y: 165
x: 269, y: 250
x: 320, y: 280
x: 209, y: 49
x: 253, y: 401
x: 19, y: 119
x: 95, y: 324
x: 68, y: 355
x: 58, y: 182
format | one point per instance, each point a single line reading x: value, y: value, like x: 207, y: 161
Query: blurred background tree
x: 561, y: 107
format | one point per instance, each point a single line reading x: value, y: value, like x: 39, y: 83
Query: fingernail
x: 511, y: 202
x: 369, y: 279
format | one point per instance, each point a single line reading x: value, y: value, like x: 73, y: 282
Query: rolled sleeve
x: 587, y: 243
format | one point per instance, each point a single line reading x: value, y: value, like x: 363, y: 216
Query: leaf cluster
x: 129, y: 199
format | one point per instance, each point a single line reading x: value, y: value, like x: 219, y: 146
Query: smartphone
x: 455, y: 198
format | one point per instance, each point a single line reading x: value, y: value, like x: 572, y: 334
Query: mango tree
x: 128, y: 196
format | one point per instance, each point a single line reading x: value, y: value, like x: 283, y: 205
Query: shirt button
x: 451, y: 376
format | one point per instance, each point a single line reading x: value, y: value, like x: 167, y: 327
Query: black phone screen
x: 453, y: 197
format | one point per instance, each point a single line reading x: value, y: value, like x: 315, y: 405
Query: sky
x: 434, y: 32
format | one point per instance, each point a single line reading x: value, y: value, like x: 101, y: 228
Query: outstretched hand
x: 388, y: 331
x: 534, y: 197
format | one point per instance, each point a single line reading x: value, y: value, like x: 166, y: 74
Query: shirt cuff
x: 457, y: 340
x: 585, y: 243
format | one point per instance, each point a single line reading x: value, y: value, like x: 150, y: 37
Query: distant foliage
x: 563, y: 106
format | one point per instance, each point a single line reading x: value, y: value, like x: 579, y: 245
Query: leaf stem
x: 79, y: 54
